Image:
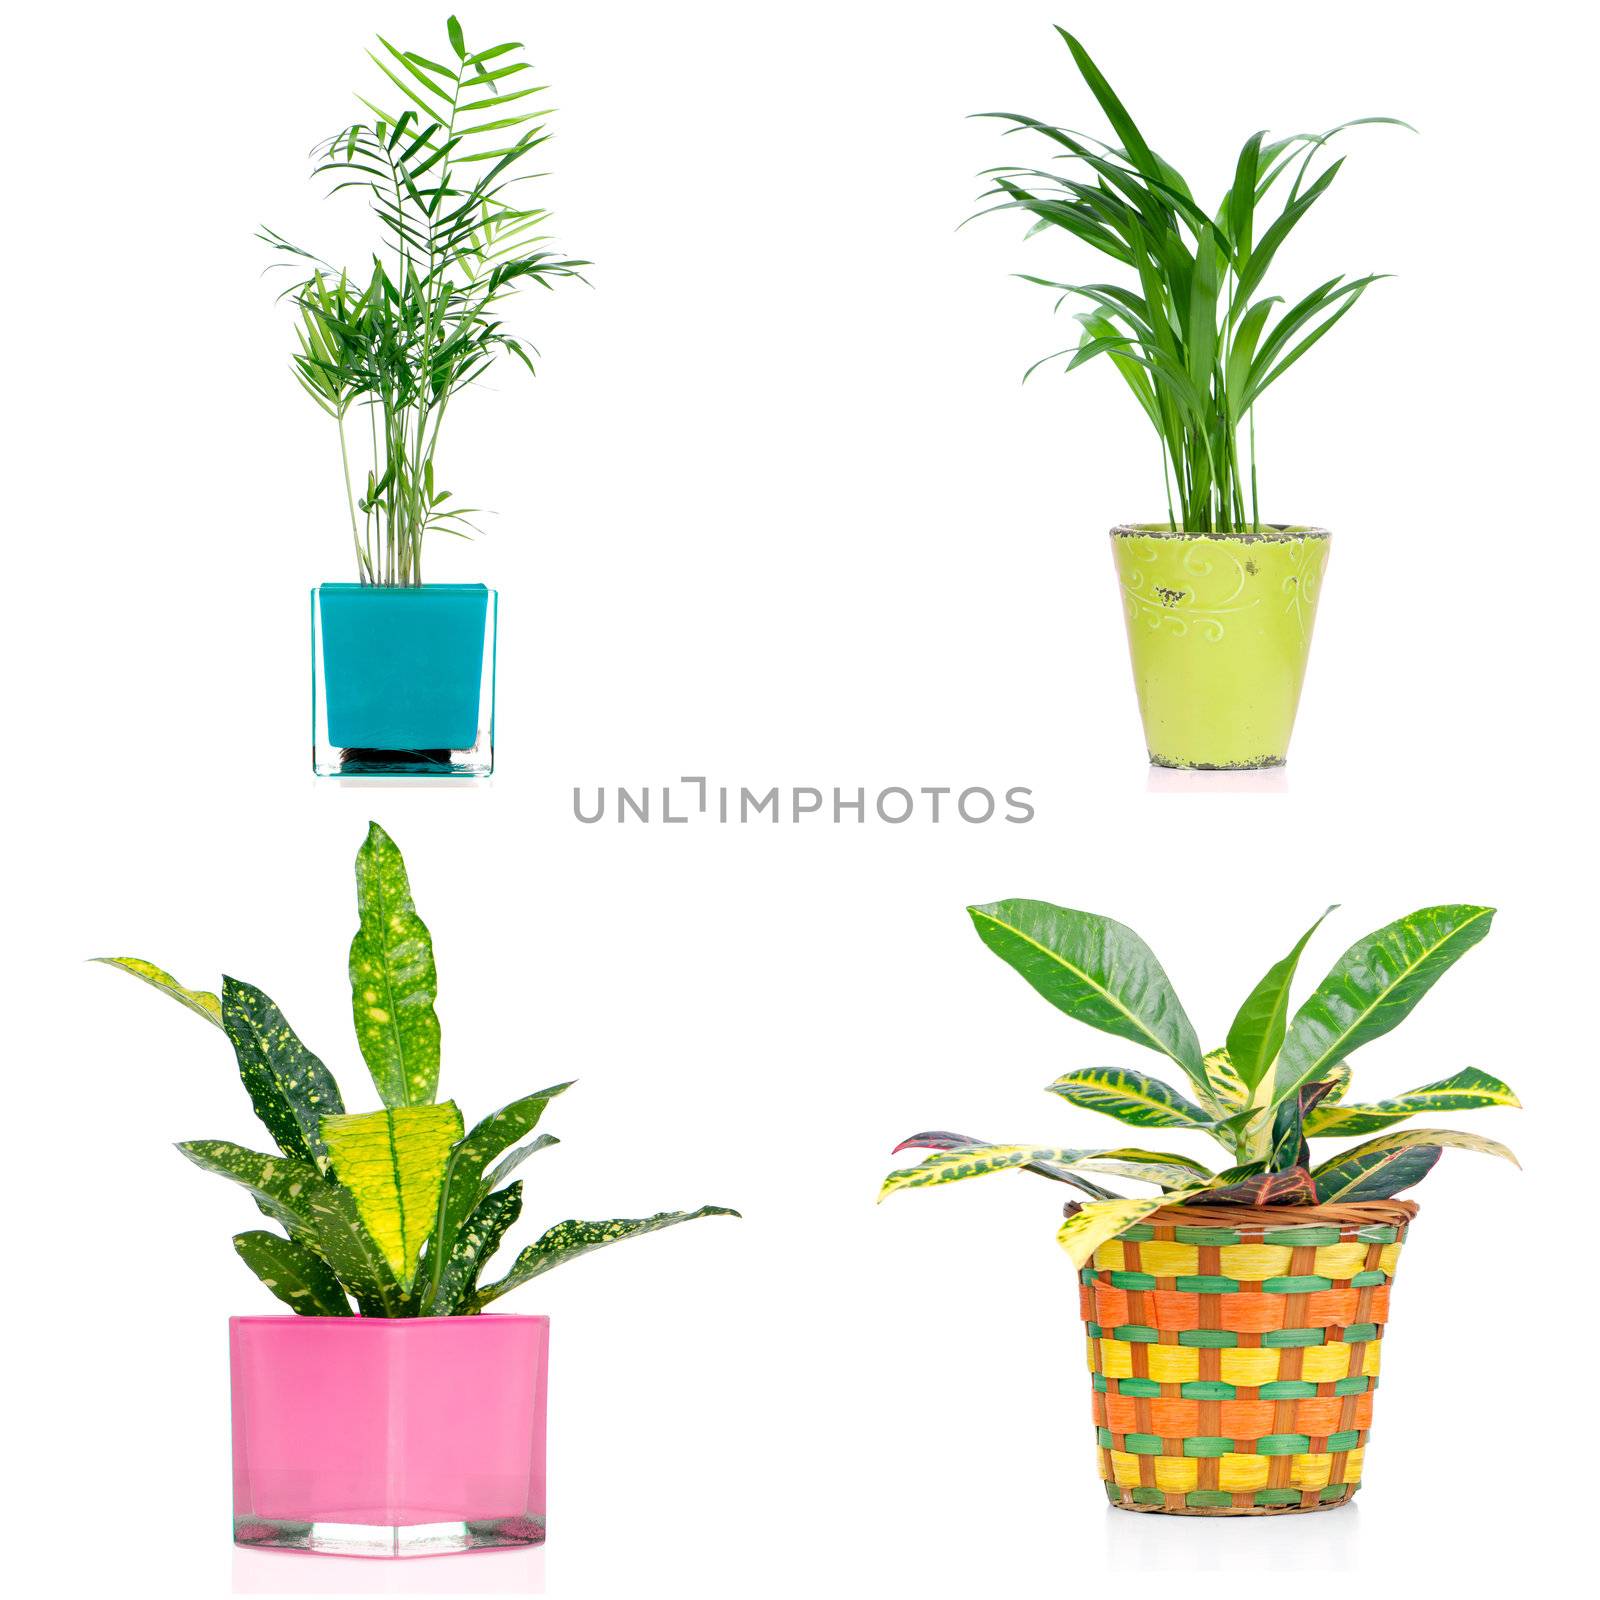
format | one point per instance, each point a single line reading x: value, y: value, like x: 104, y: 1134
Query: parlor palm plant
x: 441, y: 159
x: 398, y: 1209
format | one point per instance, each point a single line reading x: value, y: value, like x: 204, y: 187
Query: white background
x: 777, y: 510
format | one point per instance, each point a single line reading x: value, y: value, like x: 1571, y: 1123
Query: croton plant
x: 398, y: 1209
x: 1278, y: 1081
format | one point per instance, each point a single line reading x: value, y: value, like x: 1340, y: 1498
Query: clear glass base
x: 332, y: 763
x: 377, y: 1539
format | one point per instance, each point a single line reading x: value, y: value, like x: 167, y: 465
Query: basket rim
x: 1350, y: 1213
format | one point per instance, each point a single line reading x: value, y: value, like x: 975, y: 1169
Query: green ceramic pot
x: 1219, y: 628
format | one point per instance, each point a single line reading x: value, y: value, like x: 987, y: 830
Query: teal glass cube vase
x: 402, y: 680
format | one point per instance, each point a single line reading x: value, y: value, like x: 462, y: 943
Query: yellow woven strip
x: 1125, y: 1469
x: 1310, y: 1472
x: 1373, y: 1358
x: 1388, y: 1258
x: 1248, y: 1368
x: 1341, y: 1260
x: 1173, y: 1363
x: 1326, y: 1363
x: 1177, y: 1474
x: 1090, y: 1344
x: 1165, y: 1259
x: 1236, y: 1473
x: 1250, y: 1263
x: 1116, y: 1358
x: 1352, y: 1465
x: 1109, y: 1258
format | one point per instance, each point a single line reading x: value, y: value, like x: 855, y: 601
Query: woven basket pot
x: 1234, y: 1354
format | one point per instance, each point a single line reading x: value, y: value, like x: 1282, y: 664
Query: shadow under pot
x: 403, y: 1436
x: 1219, y: 629
x: 402, y: 680
x: 1244, y: 1386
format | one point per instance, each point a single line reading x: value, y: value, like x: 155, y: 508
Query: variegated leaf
x: 939, y: 1140
x: 1466, y: 1090
x: 503, y: 1168
x: 1095, y: 970
x: 465, y: 1183
x: 1339, y: 1076
x: 1252, y: 1185
x: 289, y: 1087
x: 357, y: 1260
x: 1088, y: 1228
x: 1289, y: 1148
x: 1373, y: 987
x: 1227, y: 1087
x: 568, y: 1240
x: 393, y: 983
x: 475, y: 1242
x: 282, y: 1185
x: 1131, y: 1097
x: 200, y: 1001
x: 1257, y: 1031
x: 950, y: 1166
x: 393, y: 1161
x: 1375, y: 1175
x: 297, y: 1276
x: 1364, y: 1161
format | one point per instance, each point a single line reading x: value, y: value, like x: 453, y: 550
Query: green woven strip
x: 1208, y: 1497
x: 1148, y: 1497
x: 1305, y: 1283
x: 1348, y: 1440
x: 1282, y: 1444
x: 1139, y: 1388
x: 1354, y: 1385
x: 1093, y: 1329
x: 1087, y: 1276
x: 1337, y: 1491
x: 1103, y: 1438
x: 1277, y: 1497
x: 1209, y: 1338
x: 1207, y: 1236
x: 1288, y: 1338
x: 1365, y: 1280
x: 1310, y: 1234
x: 1358, y: 1332
x: 1203, y: 1446
x: 1099, y: 1382
x: 1113, y: 1493
x: 1139, y: 1232
x: 1131, y: 1280
x: 1207, y: 1389
x: 1143, y: 1444
x: 1378, y: 1233
x: 1132, y: 1333
x: 1201, y: 1284
x: 1286, y: 1389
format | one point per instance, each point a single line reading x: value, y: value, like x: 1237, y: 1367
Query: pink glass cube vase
x: 389, y: 1437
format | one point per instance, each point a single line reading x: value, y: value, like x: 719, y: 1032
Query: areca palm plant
x: 1193, y: 333
x: 398, y: 1209
x: 1279, y: 1079
x: 441, y: 158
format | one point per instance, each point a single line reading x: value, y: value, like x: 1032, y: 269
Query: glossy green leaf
x: 474, y: 1243
x: 357, y: 1259
x: 1374, y: 1174
x: 200, y: 1001
x: 289, y: 1087
x: 1466, y: 1090
x: 566, y: 1241
x: 1257, y: 1032
x: 296, y: 1275
x: 392, y: 1162
x: 1227, y: 1089
x: 393, y: 983
x: 1289, y: 1148
x: 283, y: 1186
x: 1095, y: 970
x: 1131, y: 1097
x: 1373, y: 987
x: 467, y: 1179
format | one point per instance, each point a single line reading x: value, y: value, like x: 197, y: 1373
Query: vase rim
x: 389, y: 1322
x: 1269, y: 533
x: 400, y: 588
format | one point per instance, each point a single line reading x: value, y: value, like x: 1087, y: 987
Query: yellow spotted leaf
x: 392, y: 1162
x: 200, y: 1001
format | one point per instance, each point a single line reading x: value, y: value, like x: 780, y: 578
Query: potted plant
x: 415, y: 1424
x: 402, y: 670
x: 1235, y: 1317
x: 1219, y: 603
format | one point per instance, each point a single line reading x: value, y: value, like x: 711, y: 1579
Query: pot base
x: 1254, y: 764
x: 368, y: 763
x: 1227, y: 1511
x: 385, y: 1540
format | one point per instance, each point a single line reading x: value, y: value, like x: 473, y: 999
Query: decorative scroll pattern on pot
x: 1220, y: 579
x: 1235, y: 1352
